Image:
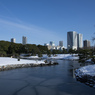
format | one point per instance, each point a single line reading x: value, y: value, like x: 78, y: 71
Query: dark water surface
x: 46, y: 80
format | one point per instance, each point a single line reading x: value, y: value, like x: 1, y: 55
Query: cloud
x: 37, y: 33
x: 13, y: 26
x: 30, y: 28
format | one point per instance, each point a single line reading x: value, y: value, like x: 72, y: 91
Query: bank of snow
x: 86, y: 70
x: 86, y: 74
x: 9, y: 63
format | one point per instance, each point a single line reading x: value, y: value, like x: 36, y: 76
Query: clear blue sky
x: 42, y: 21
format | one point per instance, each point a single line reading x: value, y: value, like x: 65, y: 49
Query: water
x: 47, y: 80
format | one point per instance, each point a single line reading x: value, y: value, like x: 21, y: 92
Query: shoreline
x: 7, y: 63
x: 15, y: 66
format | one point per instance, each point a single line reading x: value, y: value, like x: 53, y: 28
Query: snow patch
x: 11, y: 61
x: 86, y: 75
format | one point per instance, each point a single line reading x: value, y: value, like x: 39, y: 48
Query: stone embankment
x: 14, y: 66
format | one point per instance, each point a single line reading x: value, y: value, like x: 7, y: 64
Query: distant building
x: 79, y: 41
x: 57, y: 47
x: 61, y: 43
x: 13, y: 40
x: 52, y: 46
x: 86, y: 43
x: 24, y: 40
x: 72, y: 40
x: 52, y: 43
x: 46, y: 44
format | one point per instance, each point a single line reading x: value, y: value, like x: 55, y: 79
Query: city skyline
x: 46, y: 20
x: 74, y: 41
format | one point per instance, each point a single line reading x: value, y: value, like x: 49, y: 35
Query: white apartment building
x: 79, y: 40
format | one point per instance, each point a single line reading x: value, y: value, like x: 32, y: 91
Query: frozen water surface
x: 45, y: 80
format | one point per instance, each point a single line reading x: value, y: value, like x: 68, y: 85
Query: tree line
x: 84, y: 54
x: 15, y: 49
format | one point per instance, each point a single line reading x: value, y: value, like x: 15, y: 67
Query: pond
x: 45, y: 80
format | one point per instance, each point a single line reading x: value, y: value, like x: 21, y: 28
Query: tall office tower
x: 61, y: 43
x: 86, y: 43
x: 72, y: 40
x: 13, y: 40
x: 24, y: 40
x: 52, y: 43
x: 79, y: 41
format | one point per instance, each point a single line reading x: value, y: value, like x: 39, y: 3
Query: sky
x: 42, y: 21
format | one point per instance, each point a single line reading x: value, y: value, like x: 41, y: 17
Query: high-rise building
x: 72, y: 40
x: 52, y: 46
x: 52, y: 43
x: 79, y: 41
x: 46, y: 44
x: 86, y: 43
x: 61, y: 43
x: 24, y: 40
x: 13, y: 40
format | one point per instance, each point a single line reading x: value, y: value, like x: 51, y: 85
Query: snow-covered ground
x: 56, y: 56
x: 11, y: 61
x: 66, y: 56
x: 30, y: 57
x: 89, y: 61
x: 86, y: 70
x: 86, y: 75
